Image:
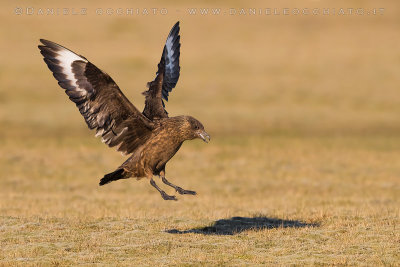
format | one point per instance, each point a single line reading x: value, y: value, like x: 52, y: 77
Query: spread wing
x: 98, y: 98
x: 166, y: 77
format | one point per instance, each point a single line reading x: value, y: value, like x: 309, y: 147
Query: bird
x: 150, y: 137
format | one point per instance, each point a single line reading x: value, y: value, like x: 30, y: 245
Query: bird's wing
x: 166, y: 77
x: 98, y: 98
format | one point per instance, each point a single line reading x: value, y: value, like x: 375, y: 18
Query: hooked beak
x: 203, y: 135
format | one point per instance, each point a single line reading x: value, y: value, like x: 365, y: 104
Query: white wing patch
x: 169, y: 43
x: 66, y: 59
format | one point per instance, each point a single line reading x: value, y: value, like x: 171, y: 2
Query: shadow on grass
x: 236, y: 225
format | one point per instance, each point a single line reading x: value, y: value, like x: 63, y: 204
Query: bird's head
x: 194, y: 129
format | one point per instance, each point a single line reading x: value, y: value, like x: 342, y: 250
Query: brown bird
x: 151, y: 137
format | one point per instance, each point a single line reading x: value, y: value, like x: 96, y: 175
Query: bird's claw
x: 185, y: 192
x: 168, y: 197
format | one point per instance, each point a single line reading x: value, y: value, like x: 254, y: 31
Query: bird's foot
x: 184, y: 192
x: 165, y: 196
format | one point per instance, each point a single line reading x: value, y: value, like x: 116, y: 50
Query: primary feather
x: 98, y: 98
x: 166, y: 79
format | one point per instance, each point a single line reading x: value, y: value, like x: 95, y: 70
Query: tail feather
x: 113, y: 176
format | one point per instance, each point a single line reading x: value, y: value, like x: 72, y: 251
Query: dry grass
x: 303, y: 166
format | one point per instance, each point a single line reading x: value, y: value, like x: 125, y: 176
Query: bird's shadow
x: 236, y: 225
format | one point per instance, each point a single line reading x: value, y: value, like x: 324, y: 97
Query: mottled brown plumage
x: 151, y: 137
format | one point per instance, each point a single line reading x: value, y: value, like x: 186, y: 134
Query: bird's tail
x: 113, y: 176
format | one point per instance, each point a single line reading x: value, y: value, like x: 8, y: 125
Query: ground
x: 303, y: 165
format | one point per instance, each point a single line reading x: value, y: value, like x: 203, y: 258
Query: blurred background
x: 241, y: 74
x: 303, y: 111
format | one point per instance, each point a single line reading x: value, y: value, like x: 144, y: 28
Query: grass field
x: 303, y: 167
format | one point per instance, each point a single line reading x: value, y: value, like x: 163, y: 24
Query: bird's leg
x: 164, y: 195
x: 177, y: 188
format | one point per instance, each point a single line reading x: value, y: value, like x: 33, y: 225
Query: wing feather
x: 166, y: 79
x: 98, y: 98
